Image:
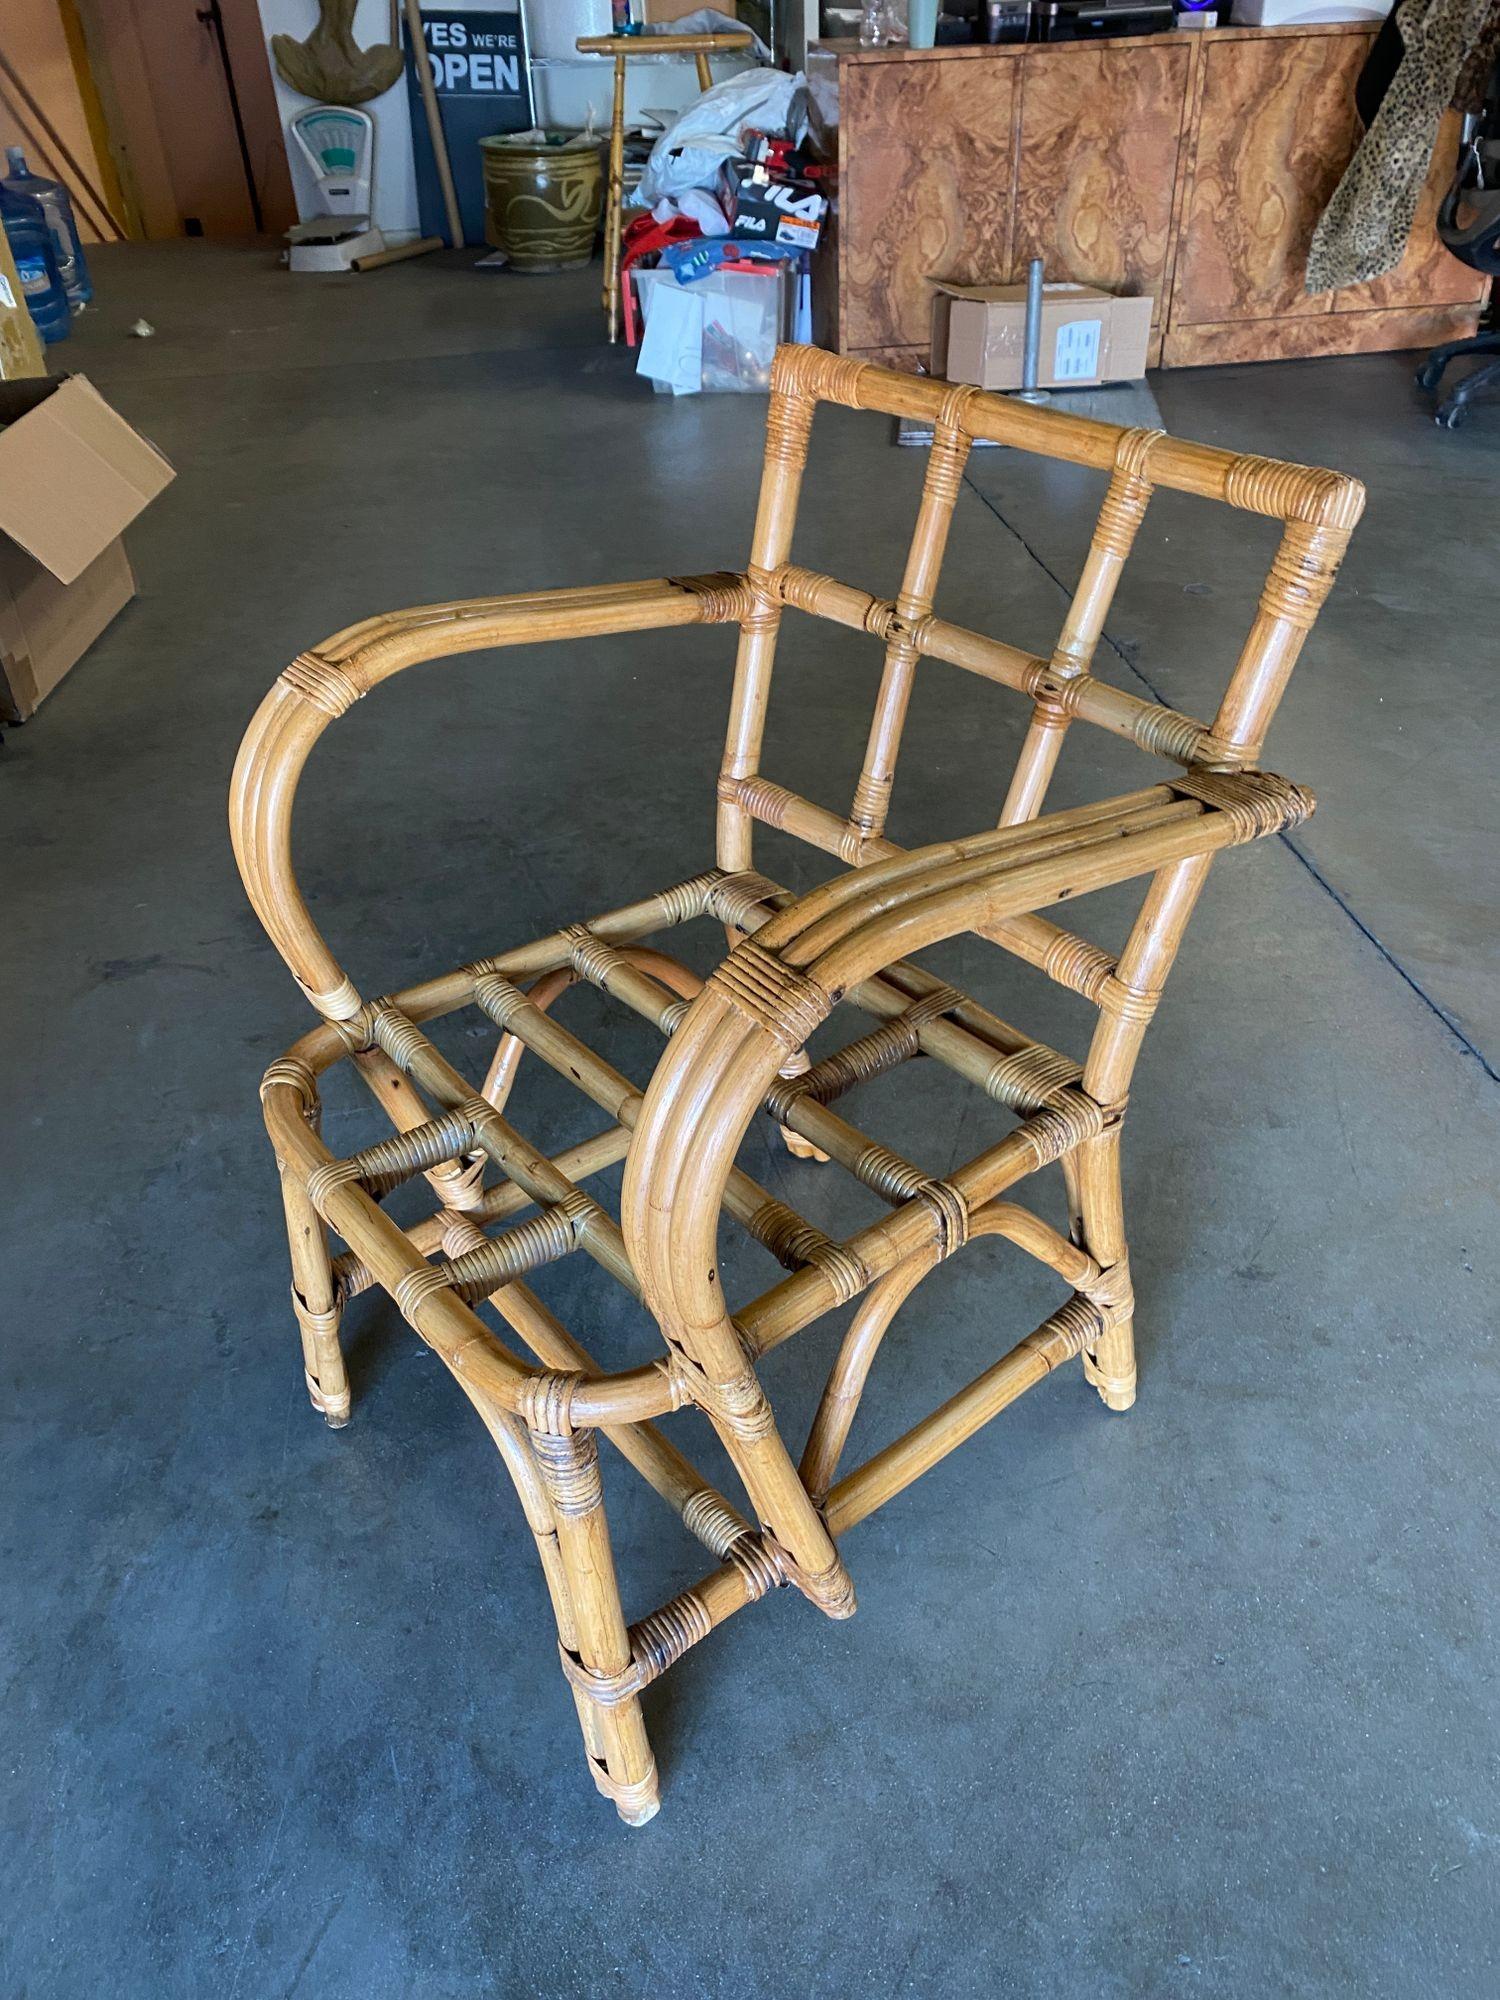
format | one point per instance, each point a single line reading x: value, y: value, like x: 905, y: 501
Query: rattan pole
x: 1028, y: 885
x: 315, y: 1303
x: 569, y: 1463
x: 846, y: 1382
x: 1164, y: 731
x: 614, y: 224
x: 788, y: 427
x: 509, y: 1438
x: 860, y: 1492
x: 1121, y: 514
x: 500, y: 1077
x: 1126, y: 1009
x: 924, y: 562
x: 457, y: 1184
x: 508, y: 1435
x: 1281, y: 491
x: 692, y: 1315
x: 1070, y: 960
x: 1300, y: 578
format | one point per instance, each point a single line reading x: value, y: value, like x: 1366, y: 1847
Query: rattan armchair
x: 735, y: 1043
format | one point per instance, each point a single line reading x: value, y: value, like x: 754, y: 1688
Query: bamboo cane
x: 417, y: 42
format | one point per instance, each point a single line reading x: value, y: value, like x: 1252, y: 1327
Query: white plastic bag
x: 699, y: 206
x: 690, y: 151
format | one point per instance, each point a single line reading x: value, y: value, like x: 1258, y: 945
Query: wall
x: 37, y: 49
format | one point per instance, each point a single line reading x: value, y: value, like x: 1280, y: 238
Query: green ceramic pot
x: 542, y: 202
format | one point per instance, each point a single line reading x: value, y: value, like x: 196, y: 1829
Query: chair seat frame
x: 735, y: 1043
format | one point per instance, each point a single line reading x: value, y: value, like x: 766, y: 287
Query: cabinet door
x: 1427, y: 275
x: 926, y: 190
x: 1101, y: 126
x: 1276, y: 128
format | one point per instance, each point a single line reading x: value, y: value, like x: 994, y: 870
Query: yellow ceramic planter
x: 542, y: 203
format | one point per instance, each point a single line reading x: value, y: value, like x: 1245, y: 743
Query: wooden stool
x: 735, y: 1043
x: 622, y: 48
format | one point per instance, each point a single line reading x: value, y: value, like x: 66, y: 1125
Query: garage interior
x: 1202, y: 1698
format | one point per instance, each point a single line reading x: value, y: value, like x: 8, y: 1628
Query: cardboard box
x: 1088, y: 336
x: 762, y: 209
x: 73, y: 476
x: 20, y: 343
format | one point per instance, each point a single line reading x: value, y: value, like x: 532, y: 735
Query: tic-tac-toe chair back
x: 736, y: 1042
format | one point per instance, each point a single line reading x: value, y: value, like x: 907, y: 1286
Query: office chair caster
x: 1451, y: 412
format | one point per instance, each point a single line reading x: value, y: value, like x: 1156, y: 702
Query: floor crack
x: 1470, y: 1047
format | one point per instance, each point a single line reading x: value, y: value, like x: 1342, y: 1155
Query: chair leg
x: 614, y: 216
x: 614, y: 1729
x: 510, y: 1436
x: 315, y: 1302
x: 1430, y: 373
x: 1451, y: 411
x: 1096, y: 1181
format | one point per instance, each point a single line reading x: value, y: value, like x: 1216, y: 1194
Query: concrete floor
x: 1197, y: 1701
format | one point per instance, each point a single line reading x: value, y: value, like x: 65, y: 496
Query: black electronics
x: 1005, y: 20
x: 1087, y: 20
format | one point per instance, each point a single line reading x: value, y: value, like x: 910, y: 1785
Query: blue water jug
x: 57, y: 208
x: 36, y: 263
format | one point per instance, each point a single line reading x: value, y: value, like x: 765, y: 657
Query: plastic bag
x: 699, y: 206
x: 710, y: 21
x: 688, y: 154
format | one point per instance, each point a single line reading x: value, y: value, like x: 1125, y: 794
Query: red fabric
x: 646, y: 237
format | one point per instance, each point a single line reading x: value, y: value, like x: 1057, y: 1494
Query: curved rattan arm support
x: 777, y: 986
x: 325, y: 683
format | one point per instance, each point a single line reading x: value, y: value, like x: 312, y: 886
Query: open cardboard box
x: 73, y: 476
x: 1088, y: 336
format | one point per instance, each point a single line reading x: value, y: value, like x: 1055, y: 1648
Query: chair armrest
x: 324, y: 683
x: 776, y: 986
x: 864, y: 920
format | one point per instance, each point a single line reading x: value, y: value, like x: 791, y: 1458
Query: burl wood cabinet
x: 1191, y: 167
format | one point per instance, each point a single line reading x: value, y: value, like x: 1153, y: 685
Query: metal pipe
x: 1031, y: 352
x: 212, y: 19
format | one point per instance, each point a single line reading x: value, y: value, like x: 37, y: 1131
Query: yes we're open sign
x: 477, y: 58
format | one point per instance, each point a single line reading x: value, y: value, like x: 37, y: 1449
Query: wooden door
x: 175, y: 106
x: 1427, y: 275
x: 1101, y: 129
x: 926, y: 189
x: 1276, y: 128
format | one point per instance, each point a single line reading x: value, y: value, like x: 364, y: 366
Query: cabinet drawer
x: 927, y: 189
x: 1276, y: 128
